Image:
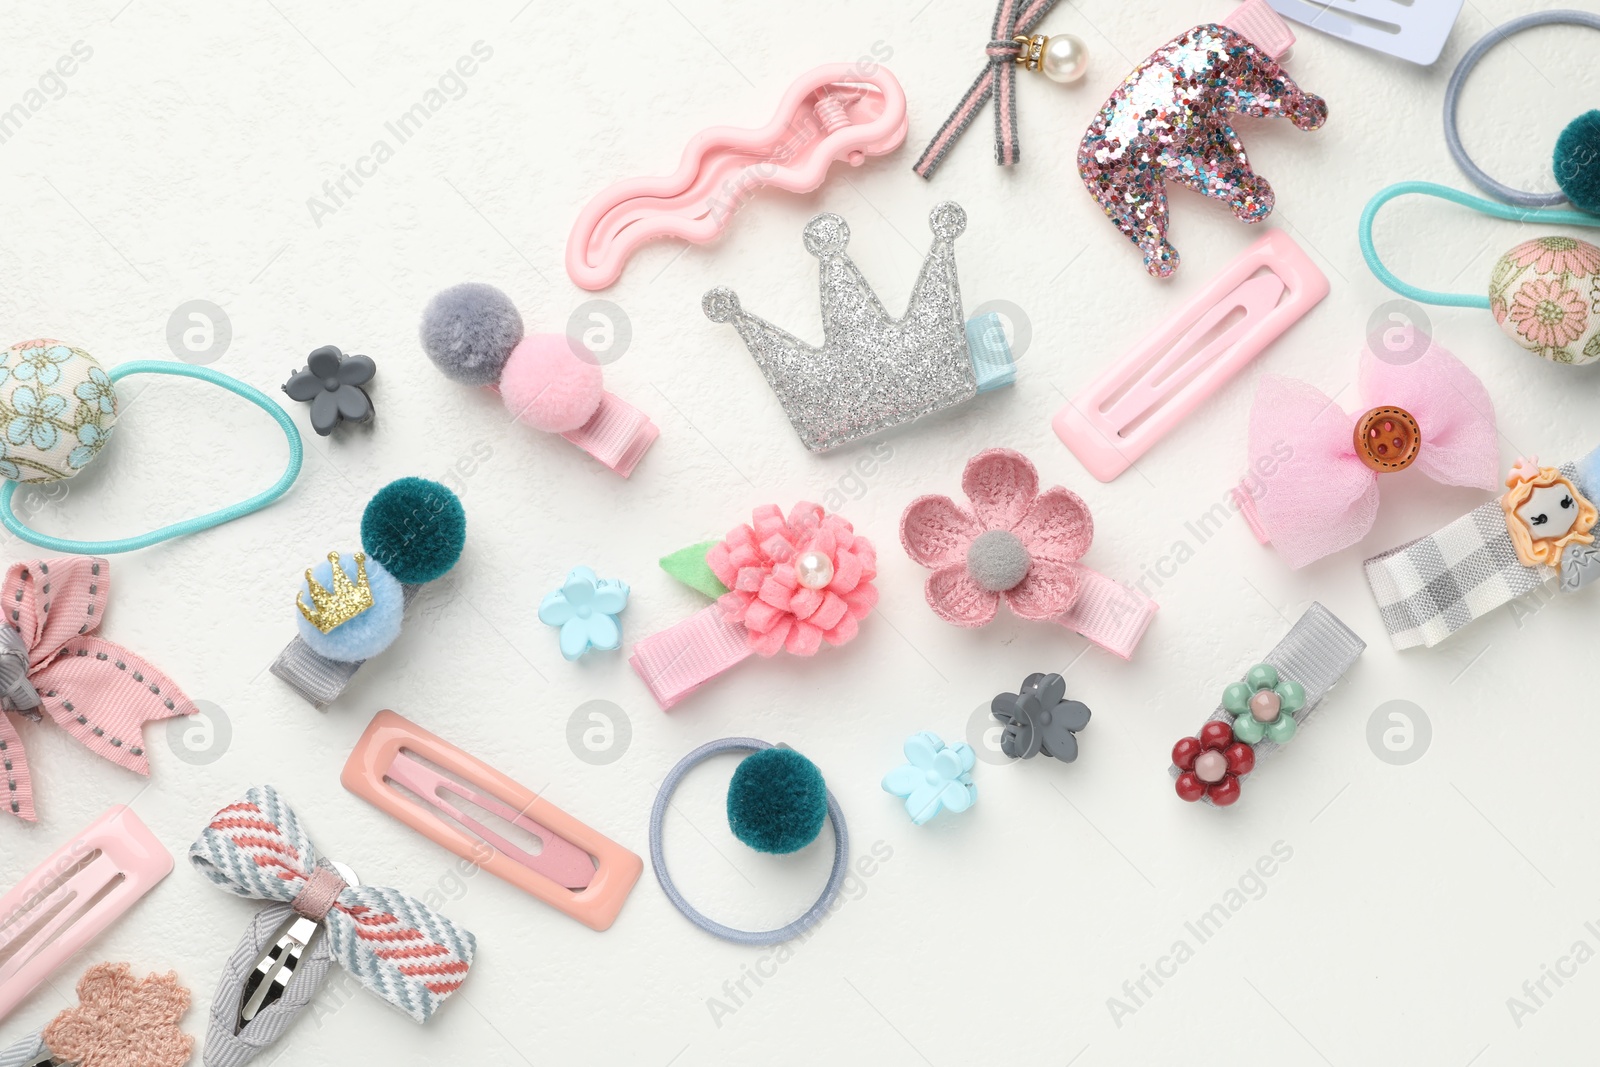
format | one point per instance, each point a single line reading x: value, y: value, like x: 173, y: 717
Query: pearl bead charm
x: 1210, y: 766
x: 814, y: 570
x: 1065, y: 58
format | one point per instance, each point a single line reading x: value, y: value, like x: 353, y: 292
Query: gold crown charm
x: 346, y: 600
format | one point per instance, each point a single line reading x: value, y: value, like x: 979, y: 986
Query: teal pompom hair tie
x: 58, y: 407
x: 777, y: 803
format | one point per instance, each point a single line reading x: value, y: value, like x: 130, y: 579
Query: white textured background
x: 176, y: 164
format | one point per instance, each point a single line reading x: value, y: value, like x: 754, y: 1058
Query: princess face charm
x: 1545, y: 513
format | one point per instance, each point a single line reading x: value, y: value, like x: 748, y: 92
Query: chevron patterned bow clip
x: 1312, y: 487
x: 392, y: 943
x: 51, y: 664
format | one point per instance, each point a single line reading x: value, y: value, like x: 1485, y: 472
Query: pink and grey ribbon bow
x: 1310, y: 493
x: 51, y: 664
x: 395, y: 945
x: 997, y: 79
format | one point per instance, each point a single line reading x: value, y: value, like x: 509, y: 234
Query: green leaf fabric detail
x: 688, y: 565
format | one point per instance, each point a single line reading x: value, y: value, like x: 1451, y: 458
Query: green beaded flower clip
x: 1262, y: 706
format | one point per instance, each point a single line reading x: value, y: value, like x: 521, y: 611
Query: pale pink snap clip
x: 845, y: 111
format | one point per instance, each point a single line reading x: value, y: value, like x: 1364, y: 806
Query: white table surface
x: 1409, y: 902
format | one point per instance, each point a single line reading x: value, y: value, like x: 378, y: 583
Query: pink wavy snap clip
x: 1023, y: 546
x: 845, y: 111
x: 782, y: 583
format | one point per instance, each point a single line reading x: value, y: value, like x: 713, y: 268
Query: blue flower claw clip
x: 586, y: 609
x: 934, y: 778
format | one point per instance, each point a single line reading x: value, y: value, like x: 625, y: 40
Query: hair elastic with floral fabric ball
x: 58, y: 406
x: 1543, y: 293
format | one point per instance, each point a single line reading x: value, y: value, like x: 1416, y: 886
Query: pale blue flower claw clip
x: 586, y: 609
x: 934, y: 778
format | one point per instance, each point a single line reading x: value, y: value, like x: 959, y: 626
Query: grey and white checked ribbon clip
x: 1429, y: 588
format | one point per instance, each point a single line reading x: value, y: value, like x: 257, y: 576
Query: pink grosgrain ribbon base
x: 617, y: 434
x: 681, y: 658
x: 1108, y: 613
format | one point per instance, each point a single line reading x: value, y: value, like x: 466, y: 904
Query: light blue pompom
x: 368, y: 633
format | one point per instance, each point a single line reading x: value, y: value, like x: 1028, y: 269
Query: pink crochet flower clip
x: 121, y: 1021
x: 1018, y: 544
x: 797, y: 582
x: 782, y: 582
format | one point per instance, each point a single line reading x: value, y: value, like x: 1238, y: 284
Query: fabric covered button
x: 57, y: 408
x: 1543, y: 294
x: 1387, y: 439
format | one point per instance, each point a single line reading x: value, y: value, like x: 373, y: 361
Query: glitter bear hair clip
x: 1168, y: 121
x: 874, y: 372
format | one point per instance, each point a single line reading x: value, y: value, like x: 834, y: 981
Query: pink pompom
x: 547, y: 384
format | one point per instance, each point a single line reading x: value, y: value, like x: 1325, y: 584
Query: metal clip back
x: 275, y: 967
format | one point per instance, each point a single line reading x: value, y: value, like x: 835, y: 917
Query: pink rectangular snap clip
x: 1177, y: 366
x: 72, y: 897
x: 434, y: 787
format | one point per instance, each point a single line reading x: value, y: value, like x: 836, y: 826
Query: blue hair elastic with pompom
x: 1577, y: 154
x: 58, y: 409
x: 775, y: 804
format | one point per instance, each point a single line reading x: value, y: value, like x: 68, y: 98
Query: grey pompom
x: 469, y: 331
x: 998, y: 561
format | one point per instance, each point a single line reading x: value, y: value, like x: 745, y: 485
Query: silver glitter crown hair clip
x: 874, y: 371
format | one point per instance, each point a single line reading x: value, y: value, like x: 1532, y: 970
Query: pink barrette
x: 781, y: 583
x: 845, y: 111
x: 97, y: 691
x: 1024, y: 546
x: 1169, y: 120
x: 73, y: 897
x: 1312, y: 488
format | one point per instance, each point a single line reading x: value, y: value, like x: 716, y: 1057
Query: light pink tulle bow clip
x: 1312, y: 485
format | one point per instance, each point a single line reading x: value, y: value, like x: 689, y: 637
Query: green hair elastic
x: 58, y: 407
x: 1544, y: 293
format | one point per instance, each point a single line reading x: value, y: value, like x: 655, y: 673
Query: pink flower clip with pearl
x: 782, y: 583
x: 1016, y: 544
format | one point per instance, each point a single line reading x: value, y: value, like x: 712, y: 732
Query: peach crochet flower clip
x: 121, y: 1021
x: 1021, y: 545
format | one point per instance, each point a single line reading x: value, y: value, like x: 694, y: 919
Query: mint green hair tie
x: 1544, y: 293
x: 58, y: 407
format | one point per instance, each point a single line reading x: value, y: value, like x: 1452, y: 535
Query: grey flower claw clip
x: 331, y: 383
x: 1038, y: 718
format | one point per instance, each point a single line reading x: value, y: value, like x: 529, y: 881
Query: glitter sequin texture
x: 872, y: 371
x: 1168, y: 120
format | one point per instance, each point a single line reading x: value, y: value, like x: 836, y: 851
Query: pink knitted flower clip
x: 1018, y: 544
x: 122, y: 1021
x: 781, y: 582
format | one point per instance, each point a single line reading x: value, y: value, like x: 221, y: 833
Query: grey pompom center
x: 998, y: 561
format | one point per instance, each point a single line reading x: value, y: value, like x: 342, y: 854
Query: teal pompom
x: 1577, y: 161
x: 777, y: 801
x: 415, y: 528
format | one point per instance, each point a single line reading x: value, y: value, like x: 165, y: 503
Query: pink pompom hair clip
x: 842, y: 111
x: 783, y: 583
x: 1022, y: 546
x: 1315, y: 470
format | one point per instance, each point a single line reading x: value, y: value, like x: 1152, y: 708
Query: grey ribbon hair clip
x: 1039, y: 718
x: 872, y: 371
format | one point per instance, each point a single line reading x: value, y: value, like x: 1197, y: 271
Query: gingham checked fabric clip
x: 317, y: 915
x: 1540, y: 529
